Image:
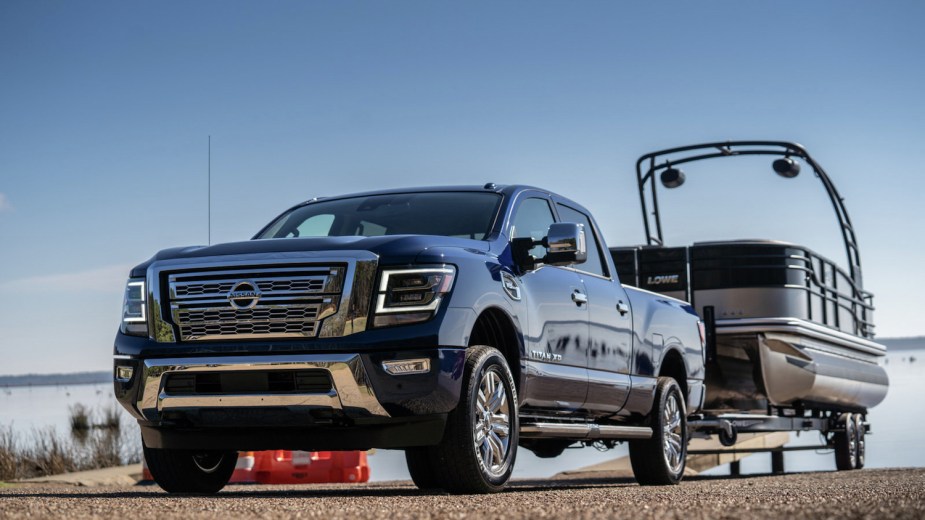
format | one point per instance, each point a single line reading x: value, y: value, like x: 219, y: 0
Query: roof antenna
x: 209, y: 195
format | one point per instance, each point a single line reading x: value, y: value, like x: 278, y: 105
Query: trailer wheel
x: 479, y: 446
x: 859, y: 428
x: 660, y: 460
x: 189, y: 471
x: 728, y: 438
x: 846, y: 443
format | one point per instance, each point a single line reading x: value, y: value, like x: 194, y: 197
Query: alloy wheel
x: 492, y: 427
x: 673, y: 447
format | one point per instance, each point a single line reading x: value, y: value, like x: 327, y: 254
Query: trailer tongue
x: 790, y: 334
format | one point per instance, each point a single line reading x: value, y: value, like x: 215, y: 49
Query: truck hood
x: 392, y: 249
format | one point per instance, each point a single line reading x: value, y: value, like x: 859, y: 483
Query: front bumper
x: 363, y: 406
x: 350, y: 395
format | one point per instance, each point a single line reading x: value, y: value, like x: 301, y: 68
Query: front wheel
x: 478, y: 449
x: 421, y: 468
x: 188, y: 471
x: 660, y: 460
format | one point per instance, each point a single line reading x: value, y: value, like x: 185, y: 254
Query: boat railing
x: 831, y: 298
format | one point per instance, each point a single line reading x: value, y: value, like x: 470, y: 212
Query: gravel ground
x: 878, y: 493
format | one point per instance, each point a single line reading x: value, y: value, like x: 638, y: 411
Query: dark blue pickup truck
x: 456, y: 323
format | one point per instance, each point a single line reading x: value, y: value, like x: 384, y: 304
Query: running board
x: 584, y: 431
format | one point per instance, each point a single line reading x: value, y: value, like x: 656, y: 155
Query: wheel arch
x: 673, y: 365
x: 496, y: 328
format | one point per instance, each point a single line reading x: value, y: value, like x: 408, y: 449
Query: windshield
x: 453, y: 214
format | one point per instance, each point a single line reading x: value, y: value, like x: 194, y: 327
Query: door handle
x: 622, y: 308
x: 579, y: 297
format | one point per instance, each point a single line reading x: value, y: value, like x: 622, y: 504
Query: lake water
x: 896, y: 425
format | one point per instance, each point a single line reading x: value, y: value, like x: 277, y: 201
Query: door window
x: 532, y: 220
x: 595, y: 263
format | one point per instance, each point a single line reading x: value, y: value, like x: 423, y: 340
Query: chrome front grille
x: 292, y: 313
x: 259, y: 301
x: 197, y: 329
x: 297, y: 285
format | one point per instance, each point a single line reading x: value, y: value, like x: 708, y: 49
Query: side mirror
x: 565, y: 244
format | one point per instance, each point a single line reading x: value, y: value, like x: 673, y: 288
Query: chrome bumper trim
x: 352, y: 392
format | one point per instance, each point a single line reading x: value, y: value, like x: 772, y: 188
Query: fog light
x: 407, y: 366
x: 124, y: 374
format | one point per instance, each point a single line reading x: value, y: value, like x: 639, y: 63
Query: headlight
x: 134, y: 319
x: 411, y: 295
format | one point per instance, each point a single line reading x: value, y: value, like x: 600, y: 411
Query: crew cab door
x: 610, y: 349
x: 556, y: 333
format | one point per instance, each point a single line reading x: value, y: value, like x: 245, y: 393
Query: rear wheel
x: 846, y: 443
x: 661, y: 459
x: 479, y: 446
x: 189, y: 471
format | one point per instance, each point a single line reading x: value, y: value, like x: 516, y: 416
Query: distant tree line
x: 903, y: 343
x: 76, y: 378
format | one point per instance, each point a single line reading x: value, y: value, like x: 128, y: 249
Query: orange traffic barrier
x: 243, y: 469
x: 310, y: 467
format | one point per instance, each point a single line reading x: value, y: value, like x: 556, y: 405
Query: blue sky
x: 106, y: 107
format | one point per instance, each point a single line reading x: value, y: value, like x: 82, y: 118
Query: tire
x: 420, y: 468
x: 861, y: 443
x: 846, y: 443
x: 728, y: 439
x: 479, y: 445
x: 188, y: 471
x: 661, y: 460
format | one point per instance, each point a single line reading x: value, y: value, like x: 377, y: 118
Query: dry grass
x: 92, y: 445
x: 112, y: 419
x: 8, y: 458
x: 80, y: 419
